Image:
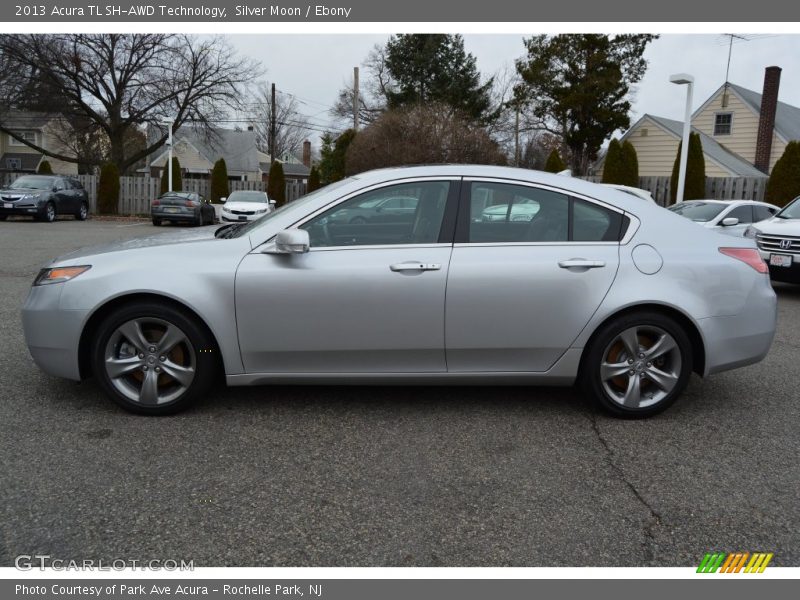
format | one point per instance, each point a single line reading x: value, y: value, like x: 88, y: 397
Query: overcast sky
x: 315, y: 67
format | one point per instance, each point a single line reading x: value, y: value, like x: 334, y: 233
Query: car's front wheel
x: 83, y: 212
x: 154, y: 359
x: 638, y: 364
x: 48, y: 214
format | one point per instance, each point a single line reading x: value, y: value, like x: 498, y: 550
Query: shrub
x: 177, y: 180
x: 554, y: 163
x: 630, y: 165
x: 313, y: 180
x: 108, y: 190
x: 784, y: 181
x: 276, y: 186
x: 45, y: 168
x: 219, y: 181
x: 612, y: 167
x: 695, y: 187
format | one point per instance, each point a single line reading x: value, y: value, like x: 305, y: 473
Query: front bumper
x: 20, y: 209
x: 744, y: 339
x: 51, y: 333
x: 234, y: 218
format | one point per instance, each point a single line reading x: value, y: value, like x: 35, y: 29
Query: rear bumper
x: 183, y: 214
x: 51, y: 333
x: 743, y: 339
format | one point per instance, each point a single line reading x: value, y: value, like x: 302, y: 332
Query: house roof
x: 711, y: 148
x: 238, y: 148
x: 24, y: 119
x: 289, y: 169
x: 787, y: 117
x: 29, y: 161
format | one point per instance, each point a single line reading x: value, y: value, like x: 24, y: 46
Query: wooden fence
x: 135, y: 193
x: 717, y: 188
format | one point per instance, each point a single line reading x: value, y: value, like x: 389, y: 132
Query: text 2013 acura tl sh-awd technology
x: 593, y: 285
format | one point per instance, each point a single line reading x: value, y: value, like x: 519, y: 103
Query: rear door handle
x: 581, y: 263
x: 415, y: 266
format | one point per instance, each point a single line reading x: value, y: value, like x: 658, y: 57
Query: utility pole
x: 516, y: 135
x: 355, y: 98
x: 272, y: 127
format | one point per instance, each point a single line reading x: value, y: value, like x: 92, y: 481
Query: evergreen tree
x: 695, y: 186
x: 784, y: 181
x: 313, y: 180
x: 554, y: 163
x: 333, y: 152
x: 276, y: 186
x: 108, y: 190
x: 177, y: 179
x: 630, y: 165
x: 612, y: 166
x: 45, y: 168
x: 219, y: 181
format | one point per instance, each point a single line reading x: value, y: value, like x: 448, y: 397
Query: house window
x: 722, y: 123
x: 13, y: 164
x: 30, y: 136
x: 644, y: 132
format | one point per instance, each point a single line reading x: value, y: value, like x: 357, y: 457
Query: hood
x: 21, y: 191
x: 185, y: 236
x: 245, y: 205
x: 777, y: 226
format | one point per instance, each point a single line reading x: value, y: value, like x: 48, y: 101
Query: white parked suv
x: 778, y: 240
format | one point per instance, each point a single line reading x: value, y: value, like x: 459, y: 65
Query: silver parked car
x: 732, y: 217
x: 597, y: 287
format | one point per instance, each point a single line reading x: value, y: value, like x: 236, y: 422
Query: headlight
x: 750, y: 232
x: 226, y: 209
x: 33, y: 197
x: 59, y: 274
x: 261, y: 211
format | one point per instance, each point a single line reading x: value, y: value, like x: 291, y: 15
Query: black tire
x: 610, y: 394
x: 198, y: 221
x: 3, y: 217
x: 199, y: 344
x: 83, y: 212
x: 157, y: 222
x: 48, y: 214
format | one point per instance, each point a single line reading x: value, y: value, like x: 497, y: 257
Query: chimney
x: 766, y: 121
x: 307, y: 153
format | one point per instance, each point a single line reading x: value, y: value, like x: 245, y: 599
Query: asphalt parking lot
x: 379, y: 476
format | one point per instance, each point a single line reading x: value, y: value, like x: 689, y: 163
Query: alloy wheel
x: 150, y: 361
x: 640, y: 367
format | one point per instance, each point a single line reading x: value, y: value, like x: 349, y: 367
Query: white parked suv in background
x: 778, y: 240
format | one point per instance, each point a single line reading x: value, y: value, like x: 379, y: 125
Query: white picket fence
x: 136, y: 193
x: 718, y: 188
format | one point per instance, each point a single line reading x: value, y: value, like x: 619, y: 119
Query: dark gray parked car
x: 44, y: 197
x: 182, y: 207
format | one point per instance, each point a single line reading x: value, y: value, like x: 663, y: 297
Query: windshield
x: 791, y: 210
x: 701, y: 212
x: 239, y: 230
x: 245, y: 196
x: 32, y: 182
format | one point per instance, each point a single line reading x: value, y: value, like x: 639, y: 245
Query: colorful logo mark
x: 734, y: 562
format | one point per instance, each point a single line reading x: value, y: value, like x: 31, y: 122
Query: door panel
x: 343, y: 310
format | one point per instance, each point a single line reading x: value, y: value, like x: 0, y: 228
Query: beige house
x: 43, y: 130
x: 743, y: 133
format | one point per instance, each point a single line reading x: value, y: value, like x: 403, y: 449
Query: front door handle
x: 415, y: 266
x: 581, y: 263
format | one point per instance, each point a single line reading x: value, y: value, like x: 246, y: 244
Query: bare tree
x: 291, y: 126
x: 373, y: 94
x: 121, y: 83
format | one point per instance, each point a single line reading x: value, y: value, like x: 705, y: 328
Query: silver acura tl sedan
x: 596, y: 287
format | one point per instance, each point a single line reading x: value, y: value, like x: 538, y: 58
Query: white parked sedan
x: 727, y: 216
x: 245, y: 205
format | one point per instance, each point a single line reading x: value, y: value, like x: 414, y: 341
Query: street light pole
x: 169, y: 156
x: 688, y: 81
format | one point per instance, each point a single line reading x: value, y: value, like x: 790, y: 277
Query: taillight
x: 156, y: 202
x: 191, y: 203
x: 749, y: 256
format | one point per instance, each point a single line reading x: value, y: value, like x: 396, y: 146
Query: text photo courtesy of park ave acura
x: 275, y: 300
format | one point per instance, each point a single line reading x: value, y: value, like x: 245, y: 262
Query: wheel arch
x: 695, y: 337
x: 101, y: 312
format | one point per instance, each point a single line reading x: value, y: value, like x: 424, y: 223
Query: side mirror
x: 291, y: 241
x: 224, y: 199
x: 273, y: 202
x: 729, y: 221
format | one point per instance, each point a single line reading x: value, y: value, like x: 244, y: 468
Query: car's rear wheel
x: 198, y: 220
x: 83, y: 212
x: 154, y: 359
x: 157, y: 222
x: 637, y: 365
x: 3, y: 217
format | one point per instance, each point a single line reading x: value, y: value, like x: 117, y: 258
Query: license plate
x: 242, y: 218
x: 8, y: 205
x: 780, y: 260
x: 171, y: 210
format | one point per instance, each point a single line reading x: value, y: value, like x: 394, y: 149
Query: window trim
x: 462, y: 230
x: 730, y: 125
x: 12, y: 141
x: 446, y: 231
